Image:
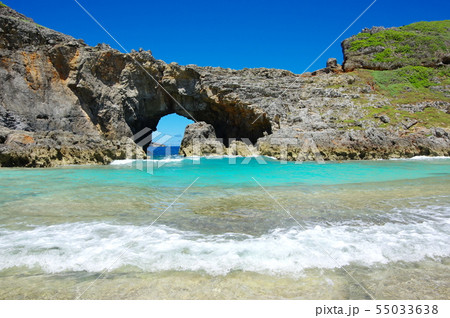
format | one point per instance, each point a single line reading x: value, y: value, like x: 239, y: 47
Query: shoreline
x: 91, y: 114
x: 120, y: 162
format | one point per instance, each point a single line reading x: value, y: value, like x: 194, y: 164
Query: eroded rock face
x: 200, y: 140
x: 53, y: 82
x: 332, y: 67
x: 373, y: 143
x: 240, y: 148
x: 53, y: 148
x: 62, y: 101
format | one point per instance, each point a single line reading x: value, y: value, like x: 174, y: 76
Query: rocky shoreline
x: 64, y: 102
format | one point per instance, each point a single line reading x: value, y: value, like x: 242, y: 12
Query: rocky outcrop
x: 332, y: 67
x: 243, y: 149
x: 63, y: 102
x: 373, y: 143
x: 200, y: 140
x: 53, y: 148
x: 378, y: 48
x: 53, y: 82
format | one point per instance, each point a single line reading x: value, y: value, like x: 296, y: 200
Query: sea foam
x: 95, y: 247
x: 421, y: 158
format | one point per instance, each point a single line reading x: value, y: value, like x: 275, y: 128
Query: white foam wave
x: 95, y: 247
x: 421, y: 158
x: 130, y: 162
x: 429, y: 158
x: 213, y: 157
x: 226, y: 157
x: 270, y: 157
x: 122, y: 162
x: 168, y: 160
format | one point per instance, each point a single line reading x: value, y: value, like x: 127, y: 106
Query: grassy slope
x: 415, y: 44
x: 409, y: 85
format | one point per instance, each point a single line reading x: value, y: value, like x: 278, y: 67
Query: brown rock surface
x: 64, y: 102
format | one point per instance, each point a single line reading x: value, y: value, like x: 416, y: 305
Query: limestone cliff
x: 62, y: 102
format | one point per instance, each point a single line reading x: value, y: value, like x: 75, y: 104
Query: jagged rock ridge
x: 62, y: 101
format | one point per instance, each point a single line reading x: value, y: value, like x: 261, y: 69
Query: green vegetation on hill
x: 2, y: 4
x: 415, y: 44
x: 429, y: 117
x: 409, y: 85
x: 410, y: 78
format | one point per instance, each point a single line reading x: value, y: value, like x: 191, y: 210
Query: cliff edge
x: 64, y: 102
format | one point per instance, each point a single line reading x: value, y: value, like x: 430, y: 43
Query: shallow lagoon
x: 382, y: 226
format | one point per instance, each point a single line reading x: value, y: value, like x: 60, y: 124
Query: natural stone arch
x: 136, y: 93
x: 228, y: 123
x: 187, y: 98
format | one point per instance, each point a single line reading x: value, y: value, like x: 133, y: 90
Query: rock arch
x: 145, y: 90
x: 229, y: 122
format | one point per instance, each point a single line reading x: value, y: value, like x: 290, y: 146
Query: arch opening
x: 231, y: 121
x: 170, y: 129
x: 167, y: 136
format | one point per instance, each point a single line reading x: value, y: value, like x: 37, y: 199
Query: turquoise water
x: 227, y: 228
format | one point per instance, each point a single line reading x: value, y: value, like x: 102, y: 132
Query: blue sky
x: 173, y: 125
x: 276, y: 34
